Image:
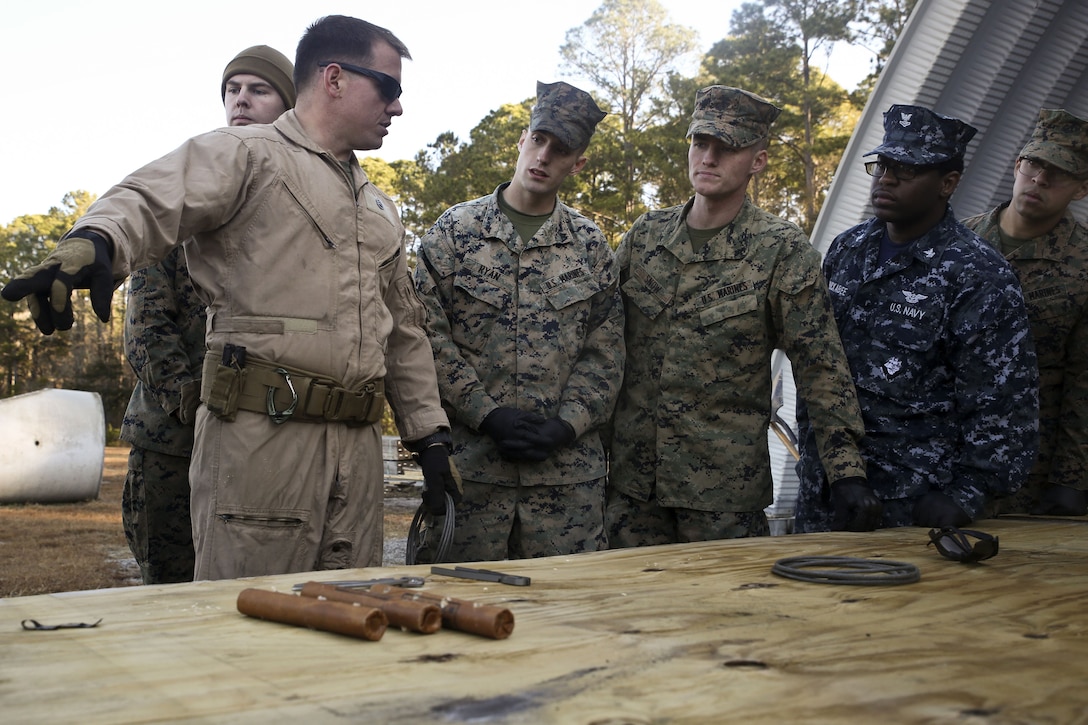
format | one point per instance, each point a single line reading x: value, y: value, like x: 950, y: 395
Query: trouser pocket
x: 254, y: 543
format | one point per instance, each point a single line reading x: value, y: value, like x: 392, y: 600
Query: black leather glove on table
x: 939, y: 510
x: 440, y: 475
x: 78, y: 262
x: 854, y: 505
x: 1061, y: 501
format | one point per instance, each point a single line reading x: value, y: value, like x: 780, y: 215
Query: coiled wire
x: 846, y: 570
x: 415, y: 539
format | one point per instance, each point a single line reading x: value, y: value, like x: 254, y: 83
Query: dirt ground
x: 48, y: 548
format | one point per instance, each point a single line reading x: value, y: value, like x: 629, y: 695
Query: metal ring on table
x: 846, y: 570
x: 415, y: 542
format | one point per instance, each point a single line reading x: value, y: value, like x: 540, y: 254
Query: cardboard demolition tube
x: 485, y: 620
x: 422, y: 617
x: 350, y: 619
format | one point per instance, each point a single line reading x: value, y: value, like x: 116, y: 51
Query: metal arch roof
x: 992, y: 63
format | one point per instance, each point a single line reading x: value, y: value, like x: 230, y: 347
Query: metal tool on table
x: 485, y: 575
x: 410, y: 582
x: 35, y: 624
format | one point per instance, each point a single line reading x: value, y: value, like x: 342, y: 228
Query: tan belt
x: 285, y: 393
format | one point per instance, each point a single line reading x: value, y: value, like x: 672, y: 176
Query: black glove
x: 1061, y: 501
x: 500, y: 423
x: 854, y: 506
x: 79, y: 262
x: 440, y: 477
x: 938, y: 510
x: 440, y: 474
x: 535, y: 440
x: 190, y: 401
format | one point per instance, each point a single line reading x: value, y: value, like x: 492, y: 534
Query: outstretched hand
x: 76, y: 263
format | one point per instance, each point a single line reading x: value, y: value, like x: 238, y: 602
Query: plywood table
x: 685, y: 633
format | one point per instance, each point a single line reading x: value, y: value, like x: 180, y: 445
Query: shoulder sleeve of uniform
x: 799, y: 268
x: 145, y: 216
x: 437, y: 248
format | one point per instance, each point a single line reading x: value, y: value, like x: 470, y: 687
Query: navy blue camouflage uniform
x: 943, y: 362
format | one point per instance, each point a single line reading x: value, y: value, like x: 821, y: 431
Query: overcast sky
x: 97, y: 89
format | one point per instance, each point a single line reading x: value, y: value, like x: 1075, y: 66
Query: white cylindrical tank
x: 52, y: 445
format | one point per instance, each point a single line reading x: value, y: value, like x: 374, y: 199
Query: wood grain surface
x: 685, y: 633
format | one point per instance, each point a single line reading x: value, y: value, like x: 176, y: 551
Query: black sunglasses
x: 903, y: 172
x: 388, y: 86
x: 952, y: 543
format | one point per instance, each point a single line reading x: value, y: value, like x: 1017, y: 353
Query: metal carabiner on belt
x: 282, y: 415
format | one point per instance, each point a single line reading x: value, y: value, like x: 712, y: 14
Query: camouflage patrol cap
x: 734, y: 116
x: 1061, y: 140
x: 917, y: 136
x: 568, y: 113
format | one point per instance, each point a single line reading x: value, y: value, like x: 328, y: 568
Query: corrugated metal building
x: 992, y: 63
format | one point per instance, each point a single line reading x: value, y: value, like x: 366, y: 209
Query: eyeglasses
x: 388, y: 86
x: 903, y: 172
x: 1031, y: 168
x: 952, y: 543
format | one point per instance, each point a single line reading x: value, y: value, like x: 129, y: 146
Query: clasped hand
x: 526, y: 437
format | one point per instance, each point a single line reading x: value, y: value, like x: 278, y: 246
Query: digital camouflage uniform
x: 1053, y: 273
x: 689, y: 457
x: 164, y: 344
x: 691, y: 423
x: 939, y: 346
x: 535, y: 325
x: 941, y: 355
x: 944, y: 368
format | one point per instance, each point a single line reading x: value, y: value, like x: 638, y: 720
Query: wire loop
x: 417, y: 539
x: 846, y: 570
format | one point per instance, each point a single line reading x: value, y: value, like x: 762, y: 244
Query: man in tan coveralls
x: 312, y: 316
x: 164, y: 344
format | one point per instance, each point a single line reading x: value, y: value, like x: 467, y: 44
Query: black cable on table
x: 846, y: 570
